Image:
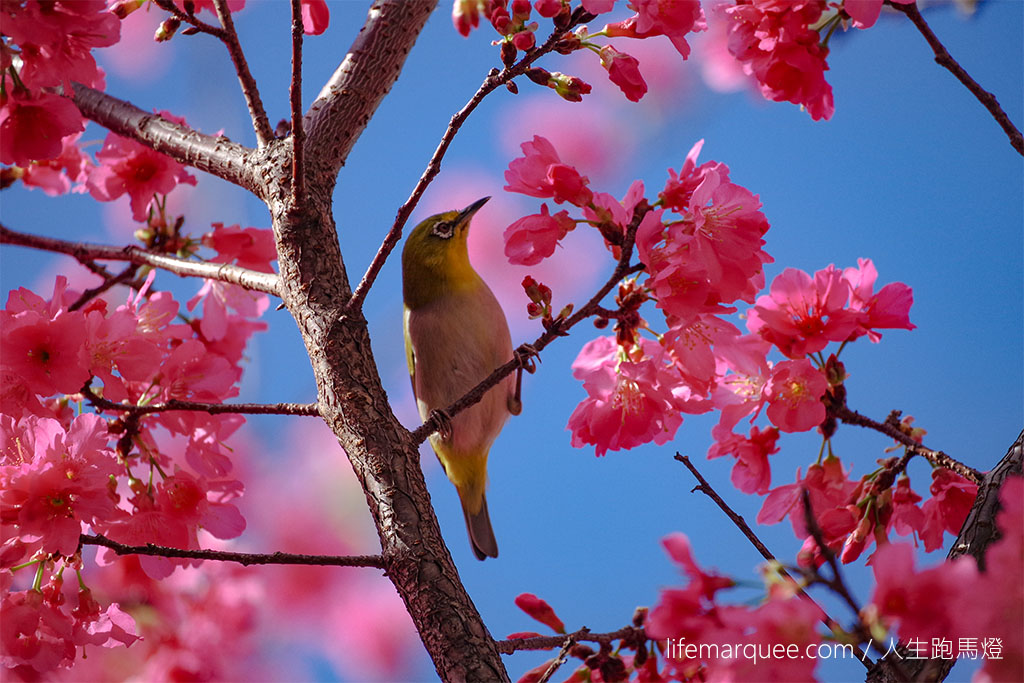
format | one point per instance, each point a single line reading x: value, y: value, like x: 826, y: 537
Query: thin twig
x: 308, y: 409
x: 493, y: 81
x: 622, y: 268
x: 83, y: 252
x: 837, y: 583
x: 943, y: 58
x: 559, y: 660
x: 229, y: 36
x: 706, y: 488
x: 937, y: 458
x: 242, y: 558
x: 109, y: 281
x: 631, y: 633
x: 295, y: 93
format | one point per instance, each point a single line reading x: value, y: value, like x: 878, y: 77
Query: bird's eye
x: 444, y: 230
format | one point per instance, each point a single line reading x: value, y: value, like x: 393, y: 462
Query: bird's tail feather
x: 481, y: 535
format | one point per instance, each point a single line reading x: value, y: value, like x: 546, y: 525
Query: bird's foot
x: 525, y: 356
x: 444, y: 423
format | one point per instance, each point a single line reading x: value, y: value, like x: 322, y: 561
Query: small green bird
x: 455, y: 336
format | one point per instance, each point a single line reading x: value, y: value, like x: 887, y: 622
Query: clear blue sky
x: 911, y: 172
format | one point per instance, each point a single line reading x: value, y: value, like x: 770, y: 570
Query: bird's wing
x: 410, y: 356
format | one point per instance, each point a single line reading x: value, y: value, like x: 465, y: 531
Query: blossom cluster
x: 701, y: 243
x: 156, y: 478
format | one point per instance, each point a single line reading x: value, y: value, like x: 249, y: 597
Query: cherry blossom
x: 794, y: 393
x: 540, y: 173
x: 624, y: 71
x: 533, y: 238
x: 671, y: 18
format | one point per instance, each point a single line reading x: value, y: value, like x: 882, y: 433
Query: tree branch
x: 631, y: 633
x: 215, y: 155
x: 241, y: 558
x: 350, y: 97
x: 891, y: 428
x: 308, y: 409
x: 944, y: 59
x: 84, y: 252
x: 229, y: 36
x: 622, y: 268
x: 295, y: 95
x: 493, y: 81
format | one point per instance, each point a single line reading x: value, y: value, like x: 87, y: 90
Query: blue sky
x: 911, y: 172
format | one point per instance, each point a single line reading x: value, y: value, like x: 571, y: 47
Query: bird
x: 456, y: 335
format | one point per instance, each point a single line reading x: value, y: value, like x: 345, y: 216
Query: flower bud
x: 538, y: 75
x: 508, y: 53
x: 167, y: 29
x: 569, y: 88
x: 122, y: 8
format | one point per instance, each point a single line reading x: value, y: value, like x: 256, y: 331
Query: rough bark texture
x: 976, y: 535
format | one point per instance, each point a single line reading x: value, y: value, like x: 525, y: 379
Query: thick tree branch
x: 891, y: 428
x: 242, y: 558
x: 352, y: 401
x: 83, y: 252
x: 229, y: 36
x: 351, y: 95
x: 622, y: 269
x: 493, y: 81
x: 943, y: 58
x: 215, y: 155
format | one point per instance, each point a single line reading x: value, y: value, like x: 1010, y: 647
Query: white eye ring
x: 444, y: 230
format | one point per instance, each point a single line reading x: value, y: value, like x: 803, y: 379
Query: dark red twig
x: 308, y: 409
x: 943, y: 58
x: 229, y: 36
x: 241, y: 558
x: 891, y: 428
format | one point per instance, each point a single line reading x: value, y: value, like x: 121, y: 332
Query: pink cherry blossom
x: 466, y: 14
x: 671, y: 18
x: 751, y: 473
x: 62, y: 481
x: 48, y: 354
x: 56, y: 40
x: 680, y: 186
x: 952, y: 498
x: 887, y: 309
x: 865, y: 12
x: 801, y: 315
x: 629, y: 402
x: 533, y: 238
x: 829, y: 488
x: 706, y: 584
x: 540, y: 173
x: 127, y: 166
x: 794, y: 394
x: 924, y: 603
x: 31, y: 128
x: 55, y: 176
x: 624, y: 71
x: 777, y: 46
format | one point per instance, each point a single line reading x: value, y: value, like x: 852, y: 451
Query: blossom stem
x: 25, y: 564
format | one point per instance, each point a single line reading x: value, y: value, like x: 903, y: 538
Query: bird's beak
x: 468, y: 212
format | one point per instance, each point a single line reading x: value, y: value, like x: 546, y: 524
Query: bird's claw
x: 444, y: 423
x: 525, y: 356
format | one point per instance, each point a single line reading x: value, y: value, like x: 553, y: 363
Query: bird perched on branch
x: 455, y: 336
